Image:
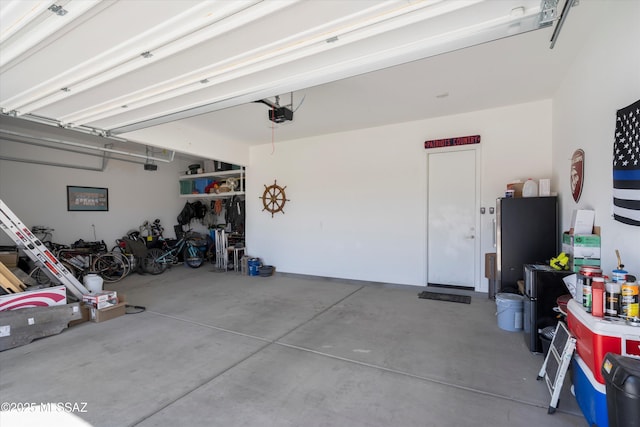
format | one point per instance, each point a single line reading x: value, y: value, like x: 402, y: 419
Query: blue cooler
x: 590, y: 394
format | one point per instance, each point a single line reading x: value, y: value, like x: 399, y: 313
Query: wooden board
x: 9, y: 282
x: 20, y: 327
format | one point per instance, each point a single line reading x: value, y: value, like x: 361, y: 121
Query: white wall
x: 358, y: 199
x: 604, y: 78
x: 193, y: 140
x: 37, y: 194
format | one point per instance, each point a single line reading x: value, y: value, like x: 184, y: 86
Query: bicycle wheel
x: 193, y: 257
x: 40, y: 276
x: 151, y: 263
x: 132, y: 260
x: 72, y: 269
x: 111, y: 266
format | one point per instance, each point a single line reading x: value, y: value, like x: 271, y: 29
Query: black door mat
x: 465, y: 299
x: 439, y: 285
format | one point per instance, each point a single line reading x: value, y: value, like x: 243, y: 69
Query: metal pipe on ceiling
x: 89, y: 147
x: 70, y: 150
x: 62, y: 165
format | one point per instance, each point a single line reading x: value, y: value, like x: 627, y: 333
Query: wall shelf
x: 212, y: 195
x: 187, y: 184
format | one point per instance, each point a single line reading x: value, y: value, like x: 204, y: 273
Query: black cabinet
x: 543, y: 285
x: 526, y: 233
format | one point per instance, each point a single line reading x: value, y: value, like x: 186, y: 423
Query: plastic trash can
x: 622, y: 381
x: 510, y: 311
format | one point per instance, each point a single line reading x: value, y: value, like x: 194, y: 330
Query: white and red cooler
x: 597, y: 336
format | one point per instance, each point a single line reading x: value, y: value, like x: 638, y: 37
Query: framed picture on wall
x: 87, y: 198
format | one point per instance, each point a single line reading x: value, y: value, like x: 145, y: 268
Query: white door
x: 451, y: 218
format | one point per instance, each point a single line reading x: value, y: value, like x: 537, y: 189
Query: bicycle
x: 91, y: 258
x: 158, y: 260
x: 111, y: 266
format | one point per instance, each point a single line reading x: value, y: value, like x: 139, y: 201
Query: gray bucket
x: 510, y: 311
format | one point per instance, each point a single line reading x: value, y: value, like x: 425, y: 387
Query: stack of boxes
x: 582, y: 249
x: 102, y: 306
x: 582, y: 242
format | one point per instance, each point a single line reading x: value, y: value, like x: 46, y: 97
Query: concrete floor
x: 221, y: 349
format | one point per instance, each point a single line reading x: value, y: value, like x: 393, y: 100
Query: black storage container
x: 622, y: 380
x: 222, y: 166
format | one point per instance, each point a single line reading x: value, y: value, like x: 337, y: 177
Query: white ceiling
x: 393, y: 61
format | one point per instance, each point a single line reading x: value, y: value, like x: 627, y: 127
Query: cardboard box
x: 582, y: 245
x: 582, y: 240
x: 578, y: 251
x: 101, y: 300
x: 9, y: 258
x: 490, y: 265
x: 104, y: 314
x: 516, y: 187
x: 85, y: 315
x: 576, y: 263
x: 47, y: 297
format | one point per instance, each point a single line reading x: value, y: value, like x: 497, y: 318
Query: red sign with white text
x: 452, y: 142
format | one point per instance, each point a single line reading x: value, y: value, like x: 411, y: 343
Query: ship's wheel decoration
x: 274, y: 198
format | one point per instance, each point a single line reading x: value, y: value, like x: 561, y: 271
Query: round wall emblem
x: 577, y: 174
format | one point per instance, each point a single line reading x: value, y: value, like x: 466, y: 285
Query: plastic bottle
x: 612, y: 299
x: 93, y: 282
x: 629, y: 303
x: 597, y: 308
x: 530, y: 188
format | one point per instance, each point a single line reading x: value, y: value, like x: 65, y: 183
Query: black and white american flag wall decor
x: 626, y: 165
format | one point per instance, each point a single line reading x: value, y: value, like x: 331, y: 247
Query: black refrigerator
x: 527, y: 232
x: 542, y: 287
